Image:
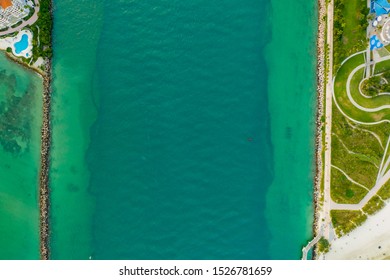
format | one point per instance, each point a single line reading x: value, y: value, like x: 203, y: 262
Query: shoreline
x: 43, y: 194
x: 320, y: 113
x: 44, y: 203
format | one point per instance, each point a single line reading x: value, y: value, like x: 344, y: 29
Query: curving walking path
x: 349, y: 178
x: 30, y: 21
x: 368, y: 131
x: 348, y: 88
x: 327, y: 221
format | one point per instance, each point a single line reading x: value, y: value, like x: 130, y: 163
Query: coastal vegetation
x: 384, y: 192
x: 376, y: 84
x: 349, y: 29
x: 343, y: 190
x: 358, y: 167
x: 373, y: 206
x: 41, y: 41
x: 345, y: 221
x: 357, y: 152
x: 42, y: 46
x: 323, y: 245
x: 358, y: 149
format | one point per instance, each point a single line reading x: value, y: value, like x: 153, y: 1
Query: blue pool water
x: 22, y: 44
x: 375, y: 43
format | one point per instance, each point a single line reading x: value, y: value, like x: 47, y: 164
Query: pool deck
x: 9, y: 42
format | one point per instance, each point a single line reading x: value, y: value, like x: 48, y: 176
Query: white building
x: 12, y: 11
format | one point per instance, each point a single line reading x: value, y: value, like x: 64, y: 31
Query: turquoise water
x: 184, y: 144
x: 20, y: 123
x: 290, y: 57
x: 22, y: 44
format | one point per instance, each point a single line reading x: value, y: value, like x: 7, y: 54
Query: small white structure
x: 375, y: 23
x: 379, y: 19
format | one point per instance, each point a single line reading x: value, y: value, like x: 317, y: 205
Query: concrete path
x: 382, y: 178
x: 307, y: 248
x: 368, y: 131
x: 349, y: 178
x: 350, y: 76
x: 328, y: 125
x: 30, y: 21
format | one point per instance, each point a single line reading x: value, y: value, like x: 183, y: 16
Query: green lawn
x: 343, y: 190
x: 351, y: 16
x: 358, y: 167
x: 340, y: 91
x: 373, y: 206
x: 355, y: 149
x: 382, y: 66
x: 384, y: 192
x: 381, y: 129
x: 369, y: 103
x: 345, y: 221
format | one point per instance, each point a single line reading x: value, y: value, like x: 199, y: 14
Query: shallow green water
x: 73, y: 112
x: 20, y: 123
x: 292, y: 97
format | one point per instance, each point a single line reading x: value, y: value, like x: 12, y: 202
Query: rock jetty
x: 45, y: 161
x: 320, y: 112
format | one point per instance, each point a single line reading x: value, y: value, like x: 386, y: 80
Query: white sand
x: 371, y: 240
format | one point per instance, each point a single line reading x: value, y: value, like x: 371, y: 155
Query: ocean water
x: 20, y: 123
x: 73, y: 112
x: 169, y: 133
x: 290, y: 57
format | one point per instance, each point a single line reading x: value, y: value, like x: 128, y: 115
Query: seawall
x: 320, y: 113
x: 44, y: 170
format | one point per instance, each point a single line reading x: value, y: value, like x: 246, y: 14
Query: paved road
x: 30, y: 21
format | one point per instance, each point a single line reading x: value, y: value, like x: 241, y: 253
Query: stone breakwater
x: 320, y: 112
x: 45, y: 160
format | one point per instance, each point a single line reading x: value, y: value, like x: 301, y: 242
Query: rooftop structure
x: 380, y: 7
x: 12, y: 12
x: 5, y: 4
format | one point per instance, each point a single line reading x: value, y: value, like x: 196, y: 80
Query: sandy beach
x: 369, y: 241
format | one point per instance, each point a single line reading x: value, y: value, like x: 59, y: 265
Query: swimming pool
x: 375, y: 43
x: 22, y: 44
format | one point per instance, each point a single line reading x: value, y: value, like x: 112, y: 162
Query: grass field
x: 342, y: 98
x: 350, y: 14
x: 345, y: 221
x: 384, y: 192
x: 358, y: 140
x: 343, y: 190
x: 373, y: 206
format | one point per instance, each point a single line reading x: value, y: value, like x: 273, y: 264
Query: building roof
x: 5, y: 3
